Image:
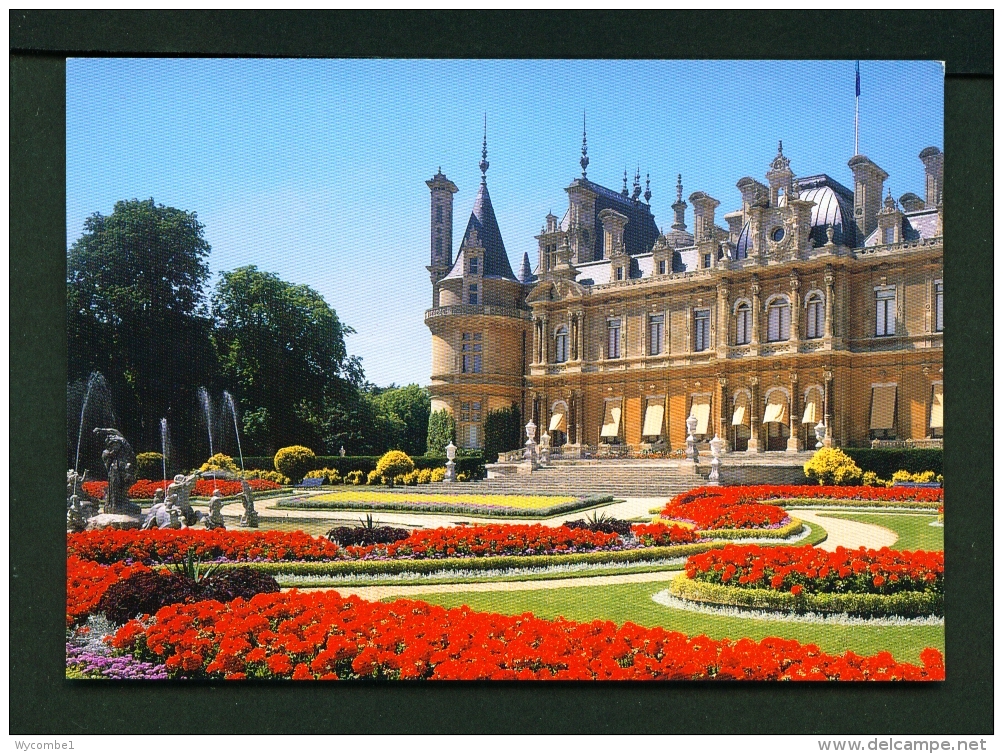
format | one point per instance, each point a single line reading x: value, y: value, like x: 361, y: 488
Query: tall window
x: 778, y: 321
x: 661, y: 266
x: 473, y: 265
x: 701, y: 329
x: 470, y: 411
x: 656, y: 332
x: 470, y: 350
x: 619, y: 273
x: 561, y: 345
x: 938, y: 307
x: 743, y: 324
x: 885, y: 324
x: 706, y: 260
x: 613, y: 339
x: 888, y: 235
x: 472, y: 294
x: 815, y: 325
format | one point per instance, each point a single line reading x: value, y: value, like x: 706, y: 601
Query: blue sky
x: 315, y: 169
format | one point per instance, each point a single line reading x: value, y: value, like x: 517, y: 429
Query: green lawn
x: 632, y: 602
x: 914, y: 530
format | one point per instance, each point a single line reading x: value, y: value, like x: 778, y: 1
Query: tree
x: 406, y: 410
x: 502, y: 432
x: 441, y: 431
x: 135, y: 295
x: 283, y: 348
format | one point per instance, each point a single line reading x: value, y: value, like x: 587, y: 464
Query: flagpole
x: 856, y: 113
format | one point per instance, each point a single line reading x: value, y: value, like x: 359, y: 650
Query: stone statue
x: 250, y: 517
x: 215, y: 518
x: 181, y: 488
x: 164, y: 514
x: 120, y: 463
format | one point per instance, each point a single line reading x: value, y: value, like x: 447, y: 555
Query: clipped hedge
x: 903, y: 604
x: 349, y: 567
x: 787, y: 530
x: 824, y: 502
x: 468, y: 509
x: 469, y: 464
x: 886, y: 461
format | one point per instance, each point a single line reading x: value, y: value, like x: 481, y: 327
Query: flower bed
x: 163, y: 545
x: 87, y: 581
x: 144, y: 489
x: 322, y: 635
x: 508, y: 506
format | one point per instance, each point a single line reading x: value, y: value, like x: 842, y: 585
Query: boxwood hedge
x: 466, y: 509
x: 903, y: 604
x: 472, y: 464
x: 886, y: 461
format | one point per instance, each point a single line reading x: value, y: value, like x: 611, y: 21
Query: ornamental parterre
x: 811, y: 570
x: 144, y: 489
x: 325, y: 636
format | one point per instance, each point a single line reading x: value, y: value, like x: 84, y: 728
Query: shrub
x: 441, y: 431
x: 923, y: 477
x: 463, y: 477
x: 268, y: 476
x: 353, y: 477
x: 832, y: 466
x: 374, y: 477
x: 601, y: 523
x: 394, y: 463
x: 330, y: 476
x: 347, y: 536
x: 886, y: 461
x: 437, y: 475
x: 872, y: 480
x: 294, y: 461
x: 425, y: 476
x: 149, y: 466
x: 219, y: 462
x: 502, y: 432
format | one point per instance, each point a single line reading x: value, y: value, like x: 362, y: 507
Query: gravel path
x: 850, y: 534
x: 381, y: 592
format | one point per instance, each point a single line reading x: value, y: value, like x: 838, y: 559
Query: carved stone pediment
x: 554, y: 290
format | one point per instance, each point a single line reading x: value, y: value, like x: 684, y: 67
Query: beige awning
x: 810, y: 412
x: 700, y: 408
x: 739, y: 417
x: 776, y: 409
x: 557, y: 422
x: 611, y: 420
x: 937, y: 410
x: 653, y: 420
x: 883, y: 406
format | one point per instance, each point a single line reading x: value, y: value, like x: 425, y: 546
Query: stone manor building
x: 810, y: 302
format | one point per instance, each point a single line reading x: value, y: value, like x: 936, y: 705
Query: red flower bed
x: 110, y: 545
x: 812, y: 570
x: 660, y: 534
x: 87, y: 581
x: 144, y: 489
x: 322, y: 635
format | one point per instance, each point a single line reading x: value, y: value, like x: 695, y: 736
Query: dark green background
x: 41, y: 701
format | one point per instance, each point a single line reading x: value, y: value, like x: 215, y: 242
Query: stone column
x: 723, y: 320
x: 545, y: 332
x: 756, y: 306
x: 830, y: 280
x: 794, y: 441
x: 828, y: 441
x: 573, y: 336
x: 722, y: 424
x: 536, y: 340
x: 795, y: 310
x: 754, y: 415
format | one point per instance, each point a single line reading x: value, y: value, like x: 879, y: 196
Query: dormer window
x: 661, y: 266
x: 706, y: 261
x: 472, y: 294
x: 474, y: 266
x: 619, y: 273
x: 888, y: 235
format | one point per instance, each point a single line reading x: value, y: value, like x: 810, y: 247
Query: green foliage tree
x: 502, y: 431
x: 404, y: 413
x: 441, y: 431
x: 135, y: 304
x: 283, y: 347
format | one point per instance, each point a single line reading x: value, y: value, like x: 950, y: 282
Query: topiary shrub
x: 873, y: 480
x: 353, y: 477
x: 832, y: 466
x: 271, y: 476
x: 392, y: 464
x: 149, y: 465
x: 424, y: 476
x: 330, y: 476
x: 294, y: 462
x: 437, y: 475
x: 373, y: 477
x: 220, y: 462
x: 441, y: 432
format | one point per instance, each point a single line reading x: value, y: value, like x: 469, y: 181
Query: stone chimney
x: 679, y: 208
x: 703, y: 215
x: 933, y: 161
x: 868, y: 183
x: 911, y: 203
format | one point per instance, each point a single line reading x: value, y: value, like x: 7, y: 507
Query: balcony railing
x: 471, y: 309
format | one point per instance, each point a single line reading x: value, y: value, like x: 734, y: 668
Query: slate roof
x: 482, y: 219
x: 640, y: 233
x: 833, y: 206
x: 915, y: 225
x: 526, y: 271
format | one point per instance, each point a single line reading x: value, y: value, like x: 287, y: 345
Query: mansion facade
x: 810, y: 303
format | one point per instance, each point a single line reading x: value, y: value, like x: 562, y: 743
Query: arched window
x: 561, y: 345
x: 815, y: 325
x: 743, y: 324
x: 778, y: 320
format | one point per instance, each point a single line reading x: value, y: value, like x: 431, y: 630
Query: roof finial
x: 780, y: 147
x: 647, y: 188
x: 624, y: 191
x: 484, y: 152
x: 585, y: 148
x: 637, y: 184
x: 679, y: 187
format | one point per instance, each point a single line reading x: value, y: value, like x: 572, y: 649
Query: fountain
x: 95, y: 393
x: 163, y: 449
x: 207, y: 408
x: 228, y: 397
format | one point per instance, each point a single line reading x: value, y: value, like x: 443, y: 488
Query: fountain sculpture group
x: 171, y: 509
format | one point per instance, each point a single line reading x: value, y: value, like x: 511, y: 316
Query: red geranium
x: 144, y: 489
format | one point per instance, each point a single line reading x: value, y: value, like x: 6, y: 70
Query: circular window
x: 777, y: 235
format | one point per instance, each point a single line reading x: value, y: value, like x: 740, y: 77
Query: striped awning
x: 883, y: 406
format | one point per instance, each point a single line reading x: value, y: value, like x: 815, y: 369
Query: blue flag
x: 857, y: 68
